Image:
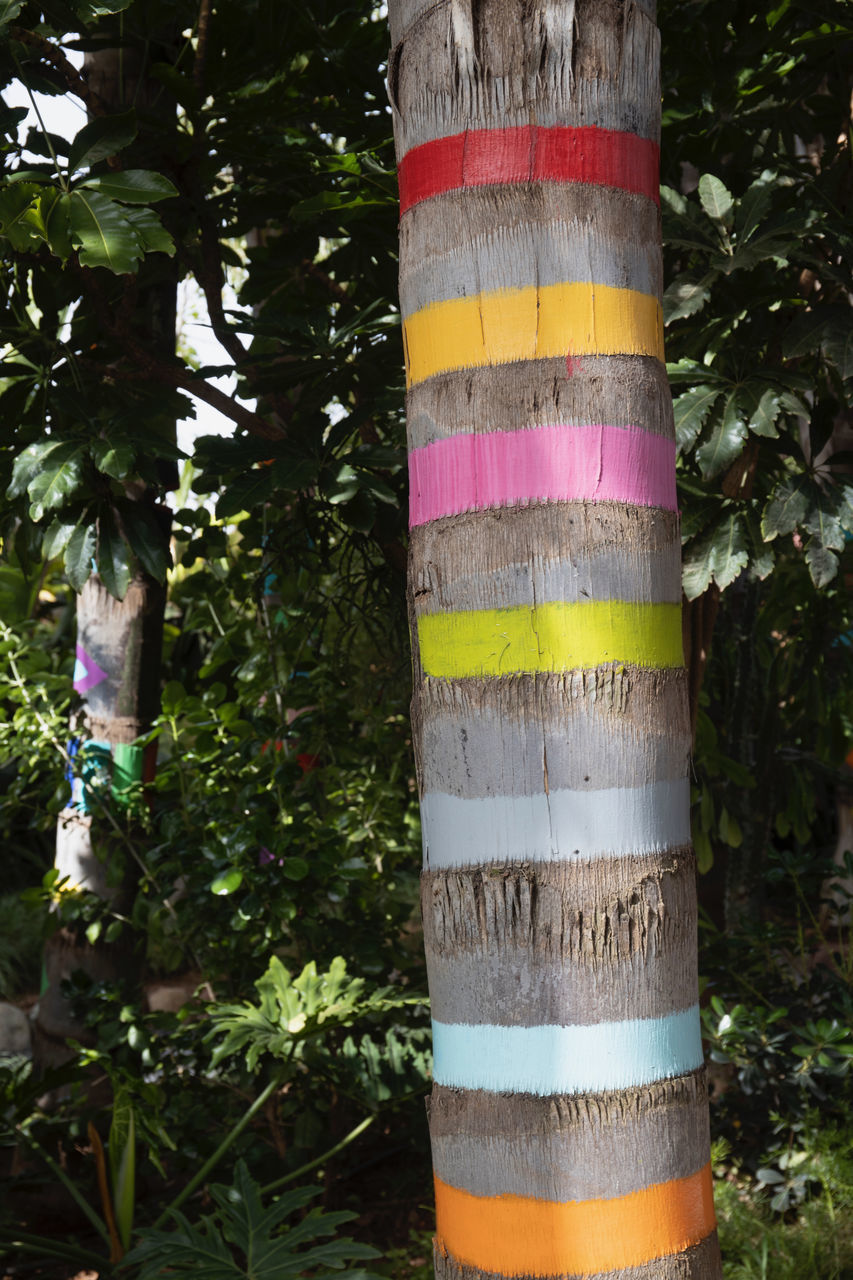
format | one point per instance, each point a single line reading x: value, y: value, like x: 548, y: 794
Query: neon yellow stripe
x: 531, y: 323
x: 550, y: 637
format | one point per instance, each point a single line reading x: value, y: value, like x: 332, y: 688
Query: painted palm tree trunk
x: 117, y: 675
x: 569, y: 1115
x: 119, y: 644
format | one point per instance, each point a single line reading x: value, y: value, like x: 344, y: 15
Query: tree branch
x: 142, y: 365
x: 201, y: 45
x: 73, y: 78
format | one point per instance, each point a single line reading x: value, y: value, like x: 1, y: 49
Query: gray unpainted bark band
x: 591, y: 730
x: 570, y: 551
x: 563, y: 945
x: 549, y: 253
x: 570, y: 1149
x: 546, y: 68
x: 619, y: 391
x: 701, y: 1262
x: 516, y: 217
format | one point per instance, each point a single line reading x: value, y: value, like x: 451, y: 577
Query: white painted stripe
x: 556, y: 827
x: 579, y: 1059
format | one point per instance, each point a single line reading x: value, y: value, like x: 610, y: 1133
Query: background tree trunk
x: 551, y: 718
x: 119, y: 642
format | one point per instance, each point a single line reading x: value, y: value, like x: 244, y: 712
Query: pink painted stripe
x: 541, y: 464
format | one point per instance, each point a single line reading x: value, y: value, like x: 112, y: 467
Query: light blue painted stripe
x: 579, y: 1059
x: 560, y: 826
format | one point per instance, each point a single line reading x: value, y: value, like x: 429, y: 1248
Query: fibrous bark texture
x: 117, y: 676
x: 551, y: 722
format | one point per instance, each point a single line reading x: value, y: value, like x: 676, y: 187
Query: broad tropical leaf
x: 132, y: 186
x: 79, y: 554
x: 763, y: 407
x: 103, y: 137
x: 721, y: 556
x: 684, y: 298
x: 244, y: 1241
x: 58, y: 478
x: 113, y: 556
x: 691, y: 410
x: 724, y: 441
x: 786, y: 508
x: 103, y: 232
x: 150, y: 233
x: 113, y: 457
x: 753, y: 205
x: 717, y: 200
x: 148, y: 539
x: 294, y: 1010
x: 9, y: 11
x: 57, y: 537
x: 823, y: 563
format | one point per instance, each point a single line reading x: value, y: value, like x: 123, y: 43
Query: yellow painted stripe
x: 556, y: 636
x: 515, y: 1236
x: 533, y: 323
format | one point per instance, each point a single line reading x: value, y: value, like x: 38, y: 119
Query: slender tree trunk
x: 569, y: 1118
x: 117, y: 675
x: 117, y: 671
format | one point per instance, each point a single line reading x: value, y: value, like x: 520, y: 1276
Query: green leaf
x: 15, y: 202
x: 148, y: 539
x: 826, y: 527
x: 730, y: 832
x: 122, y: 1153
x: 150, y: 233
x: 785, y: 509
x: 60, y: 476
x: 133, y: 186
x: 57, y: 224
x: 717, y: 200
x: 684, y: 298
x: 265, y: 1248
x: 295, y: 868
x: 9, y: 11
x: 79, y: 554
x: 720, y: 556
x: 753, y: 205
x: 690, y: 410
x: 245, y: 492
x: 823, y: 563
x: 104, y: 233
x: 227, y: 883
x: 57, y: 537
x: 89, y: 9
x: 43, y: 219
x: 837, y: 347
x: 762, y: 556
x: 691, y: 371
x: 103, y: 137
x: 763, y: 408
x: 113, y: 457
x: 113, y: 556
x: 725, y: 440
x: 684, y: 224
x: 29, y: 464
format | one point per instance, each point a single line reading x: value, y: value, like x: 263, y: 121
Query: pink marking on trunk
x: 593, y: 463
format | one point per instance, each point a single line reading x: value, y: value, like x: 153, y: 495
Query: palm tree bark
x: 119, y: 642
x: 568, y: 1119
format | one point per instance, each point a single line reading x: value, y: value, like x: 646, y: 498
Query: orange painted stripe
x: 517, y: 1236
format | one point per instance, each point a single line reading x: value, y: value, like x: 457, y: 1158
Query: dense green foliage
x: 277, y: 851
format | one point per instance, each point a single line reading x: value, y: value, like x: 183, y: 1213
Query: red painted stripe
x: 483, y: 157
